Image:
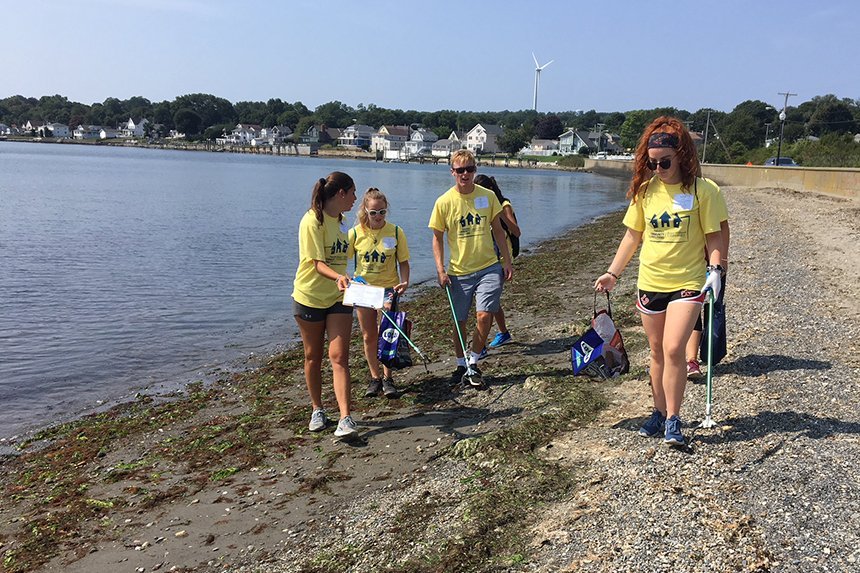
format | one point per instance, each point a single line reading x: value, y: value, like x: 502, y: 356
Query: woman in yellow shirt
x: 380, y: 250
x: 318, y: 292
x: 676, y: 216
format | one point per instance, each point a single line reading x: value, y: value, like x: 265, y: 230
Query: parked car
x: 783, y: 161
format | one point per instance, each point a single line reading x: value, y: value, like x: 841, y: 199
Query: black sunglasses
x: 466, y: 169
x: 664, y: 163
x: 374, y: 212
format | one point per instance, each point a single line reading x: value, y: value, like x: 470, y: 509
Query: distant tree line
x: 737, y: 136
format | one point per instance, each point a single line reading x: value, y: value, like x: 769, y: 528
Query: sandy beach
x: 541, y: 472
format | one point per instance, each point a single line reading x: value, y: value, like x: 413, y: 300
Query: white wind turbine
x: 538, y: 69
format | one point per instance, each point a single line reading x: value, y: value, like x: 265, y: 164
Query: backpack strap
x: 354, y: 250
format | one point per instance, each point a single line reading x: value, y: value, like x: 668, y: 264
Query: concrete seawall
x: 831, y: 180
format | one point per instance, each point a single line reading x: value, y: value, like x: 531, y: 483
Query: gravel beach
x: 542, y: 472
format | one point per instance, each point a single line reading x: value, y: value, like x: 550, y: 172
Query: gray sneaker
x: 318, y: 420
x: 346, y: 427
x: 388, y: 388
x: 373, y: 388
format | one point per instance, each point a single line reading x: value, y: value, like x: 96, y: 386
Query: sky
x: 437, y: 54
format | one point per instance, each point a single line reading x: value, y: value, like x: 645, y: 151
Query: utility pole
x: 782, y: 123
x: 705, y: 145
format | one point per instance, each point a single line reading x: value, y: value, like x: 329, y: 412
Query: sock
x: 461, y: 362
x: 473, y: 357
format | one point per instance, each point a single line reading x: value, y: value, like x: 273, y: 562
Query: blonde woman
x: 381, y: 256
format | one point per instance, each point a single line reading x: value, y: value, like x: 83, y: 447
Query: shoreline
x: 543, y: 471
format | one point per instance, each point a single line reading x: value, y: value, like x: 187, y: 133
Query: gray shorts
x: 485, y: 285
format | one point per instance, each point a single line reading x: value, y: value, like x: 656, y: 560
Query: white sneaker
x: 346, y: 427
x: 318, y: 420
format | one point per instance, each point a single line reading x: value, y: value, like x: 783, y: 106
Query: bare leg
x: 482, y: 329
x: 679, y: 320
x: 313, y: 341
x: 500, y: 320
x: 692, y: 351
x: 339, y: 327
x: 370, y: 336
x: 653, y: 324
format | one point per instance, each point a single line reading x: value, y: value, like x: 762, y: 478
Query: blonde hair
x: 462, y: 156
x: 370, y: 195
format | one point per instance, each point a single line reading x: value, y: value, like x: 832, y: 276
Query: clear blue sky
x: 436, y: 54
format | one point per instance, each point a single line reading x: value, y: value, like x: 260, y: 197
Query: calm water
x: 125, y: 269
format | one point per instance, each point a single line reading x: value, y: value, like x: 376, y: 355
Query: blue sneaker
x: 483, y: 354
x: 654, y: 425
x: 500, y: 338
x: 673, y: 435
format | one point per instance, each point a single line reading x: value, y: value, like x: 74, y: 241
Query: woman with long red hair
x: 676, y: 216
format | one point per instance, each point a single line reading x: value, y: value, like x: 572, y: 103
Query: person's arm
x: 626, y: 249
x: 724, y: 232
x: 329, y: 273
x: 510, y: 220
x: 404, y: 278
x: 502, y: 244
x: 439, y: 257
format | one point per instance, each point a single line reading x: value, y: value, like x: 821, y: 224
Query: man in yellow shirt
x: 469, y: 214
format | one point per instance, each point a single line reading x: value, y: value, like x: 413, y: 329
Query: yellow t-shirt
x: 377, y: 253
x: 673, y: 223
x: 507, y: 203
x: 327, y: 243
x: 466, y: 219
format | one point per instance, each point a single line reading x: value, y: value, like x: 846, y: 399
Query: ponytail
x: 325, y: 189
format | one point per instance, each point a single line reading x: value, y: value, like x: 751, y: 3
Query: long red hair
x: 688, y: 158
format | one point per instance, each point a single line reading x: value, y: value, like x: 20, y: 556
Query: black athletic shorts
x: 649, y: 302
x: 312, y: 314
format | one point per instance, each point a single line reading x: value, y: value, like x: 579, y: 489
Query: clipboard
x: 358, y: 294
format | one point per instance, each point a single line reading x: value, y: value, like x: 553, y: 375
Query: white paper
x: 389, y: 242
x: 358, y: 294
x: 481, y: 202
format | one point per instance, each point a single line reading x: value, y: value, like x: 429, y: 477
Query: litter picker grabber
x: 471, y: 377
x: 708, y: 422
x: 393, y: 322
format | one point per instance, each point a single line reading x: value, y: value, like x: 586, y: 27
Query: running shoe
x: 475, y: 379
x: 654, y: 425
x: 483, y: 354
x: 388, y: 388
x: 373, y: 388
x: 457, y: 375
x: 500, y: 339
x: 318, y: 420
x: 673, y: 435
x: 346, y: 427
x: 694, y: 371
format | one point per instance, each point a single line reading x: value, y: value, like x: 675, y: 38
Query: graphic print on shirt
x: 374, y: 260
x: 669, y: 228
x: 471, y: 225
x: 339, y: 247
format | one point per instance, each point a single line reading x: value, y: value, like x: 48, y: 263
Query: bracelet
x: 610, y: 273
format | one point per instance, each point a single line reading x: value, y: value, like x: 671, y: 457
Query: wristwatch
x: 718, y: 268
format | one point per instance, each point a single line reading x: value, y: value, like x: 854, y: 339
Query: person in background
x: 380, y: 250
x: 676, y: 216
x: 694, y: 370
x: 469, y: 215
x: 509, y: 224
x: 317, y: 295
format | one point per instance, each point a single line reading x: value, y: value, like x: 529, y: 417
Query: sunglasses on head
x: 466, y: 169
x: 375, y: 212
x: 664, y: 163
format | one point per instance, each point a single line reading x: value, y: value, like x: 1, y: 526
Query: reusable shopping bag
x: 719, y: 330
x: 600, y: 352
x: 393, y: 350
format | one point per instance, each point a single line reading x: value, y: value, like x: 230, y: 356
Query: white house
x: 444, y: 147
x: 4, y: 129
x: 356, y: 135
x: 132, y: 128
x: 482, y: 139
x: 87, y: 132
x: 390, y: 138
x: 542, y: 147
x: 54, y: 130
x: 420, y: 143
x: 108, y: 133
x: 242, y: 134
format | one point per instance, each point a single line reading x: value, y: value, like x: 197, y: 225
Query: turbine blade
x: 546, y: 64
x: 537, y: 65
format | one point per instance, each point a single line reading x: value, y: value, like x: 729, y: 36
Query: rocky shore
x: 541, y: 472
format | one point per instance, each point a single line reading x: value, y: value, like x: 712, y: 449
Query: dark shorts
x: 649, y: 302
x: 311, y: 314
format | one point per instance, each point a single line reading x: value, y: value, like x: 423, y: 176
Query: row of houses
x: 391, y: 141
x: 131, y: 129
